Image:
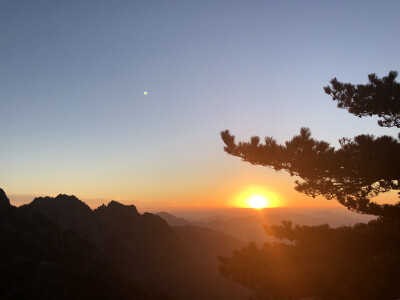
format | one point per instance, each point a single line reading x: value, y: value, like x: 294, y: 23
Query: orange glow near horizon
x: 256, y: 197
x: 258, y: 202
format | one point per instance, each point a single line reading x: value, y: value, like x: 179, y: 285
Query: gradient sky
x: 74, y: 120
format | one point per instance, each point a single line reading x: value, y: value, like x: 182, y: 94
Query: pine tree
x: 359, y: 262
x: 362, y: 168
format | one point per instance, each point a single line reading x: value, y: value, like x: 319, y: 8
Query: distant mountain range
x: 248, y: 225
x: 59, y: 248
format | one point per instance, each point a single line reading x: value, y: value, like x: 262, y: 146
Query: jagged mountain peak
x: 119, y: 208
x: 64, y: 201
x: 4, y: 201
x: 142, y: 248
x: 116, y: 204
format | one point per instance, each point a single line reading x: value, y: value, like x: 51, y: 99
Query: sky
x: 74, y: 118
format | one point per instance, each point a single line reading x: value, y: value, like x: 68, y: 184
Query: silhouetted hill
x: 69, y: 213
x: 172, y: 220
x: 143, y: 247
x: 245, y: 229
x: 4, y: 201
x: 250, y: 227
x: 40, y: 261
x: 206, y: 245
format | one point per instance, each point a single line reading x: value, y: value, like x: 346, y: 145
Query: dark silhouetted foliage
x: 362, y: 168
x: 380, y: 97
x: 360, y: 262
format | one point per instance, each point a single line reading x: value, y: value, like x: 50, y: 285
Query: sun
x: 257, y: 202
x: 256, y: 197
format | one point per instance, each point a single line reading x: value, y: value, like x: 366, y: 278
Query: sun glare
x: 256, y: 197
x: 257, y: 202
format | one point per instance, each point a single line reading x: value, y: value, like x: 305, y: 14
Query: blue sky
x: 74, y: 120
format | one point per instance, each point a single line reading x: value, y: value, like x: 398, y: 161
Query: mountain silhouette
x: 40, y: 261
x: 249, y: 225
x: 172, y: 220
x: 4, y: 201
x: 142, y: 248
